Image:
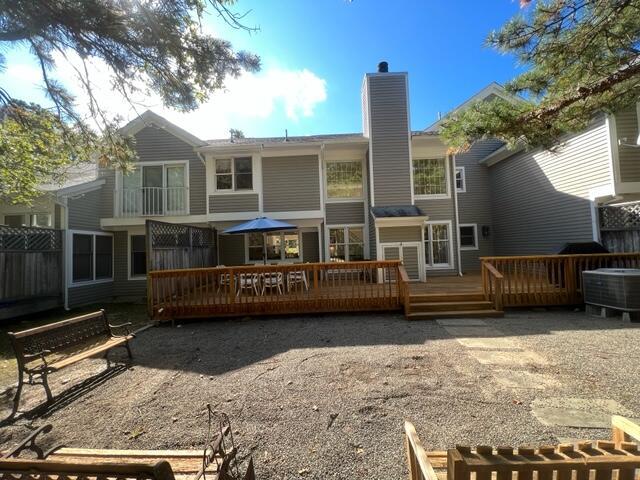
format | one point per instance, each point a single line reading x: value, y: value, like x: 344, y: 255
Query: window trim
x: 69, y: 261
x: 282, y: 258
x: 233, y: 190
x: 345, y: 227
x: 475, y: 235
x: 447, y: 175
x: 439, y: 266
x: 328, y: 199
x: 129, y: 276
x: 464, y: 180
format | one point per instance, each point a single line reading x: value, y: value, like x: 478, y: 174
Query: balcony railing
x: 153, y: 201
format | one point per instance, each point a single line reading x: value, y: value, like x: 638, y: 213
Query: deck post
x: 232, y: 287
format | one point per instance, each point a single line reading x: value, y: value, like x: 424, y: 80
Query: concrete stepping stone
x: 457, y: 322
x: 508, y: 358
x: 473, y: 331
x: 522, y: 379
x: 577, y: 412
x: 488, y: 343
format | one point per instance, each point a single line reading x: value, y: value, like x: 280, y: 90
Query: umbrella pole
x: 264, y: 247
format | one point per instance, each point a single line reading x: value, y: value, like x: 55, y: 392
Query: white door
x: 410, y: 254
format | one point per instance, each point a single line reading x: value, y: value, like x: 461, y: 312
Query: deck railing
x: 492, y: 282
x: 275, y: 289
x: 419, y: 466
x: 536, y: 280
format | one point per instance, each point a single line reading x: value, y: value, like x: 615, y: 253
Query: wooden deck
x: 454, y: 284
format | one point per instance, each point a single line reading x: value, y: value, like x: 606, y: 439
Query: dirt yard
x: 325, y: 397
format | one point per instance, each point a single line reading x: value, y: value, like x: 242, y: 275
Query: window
x: 280, y: 246
x: 437, y: 245
x: 14, y: 220
x: 461, y: 181
x: 234, y: 174
x: 469, y: 237
x: 430, y: 177
x: 155, y: 190
x: 346, y: 244
x: 92, y: 257
x: 138, y: 256
x: 344, y: 180
x: 28, y: 220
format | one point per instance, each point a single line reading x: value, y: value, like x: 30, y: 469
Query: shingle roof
x: 397, y: 211
x: 284, y: 140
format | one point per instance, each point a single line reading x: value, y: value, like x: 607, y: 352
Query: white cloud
x: 249, y: 97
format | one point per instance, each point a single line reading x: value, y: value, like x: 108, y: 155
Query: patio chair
x: 273, y: 280
x: 249, y: 282
x: 297, y: 278
x: 224, y: 280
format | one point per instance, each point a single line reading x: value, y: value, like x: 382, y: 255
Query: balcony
x: 153, y: 201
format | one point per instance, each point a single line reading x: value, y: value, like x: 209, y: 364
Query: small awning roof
x: 397, y: 211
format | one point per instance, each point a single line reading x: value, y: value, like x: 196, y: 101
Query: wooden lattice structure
x: 176, y: 246
x: 620, y: 227
x: 615, y: 459
x: 31, y: 269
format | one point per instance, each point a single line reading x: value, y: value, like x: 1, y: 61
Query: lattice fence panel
x: 620, y: 217
x: 29, y: 239
x: 174, y: 246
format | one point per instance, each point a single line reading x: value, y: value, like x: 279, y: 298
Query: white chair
x: 296, y: 278
x: 273, y: 280
x: 247, y: 281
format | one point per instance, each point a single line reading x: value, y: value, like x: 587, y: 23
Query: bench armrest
x: 125, y: 326
x: 29, y: 443
x: 41, y: 355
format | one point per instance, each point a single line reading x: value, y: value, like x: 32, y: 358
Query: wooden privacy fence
x: 30, y: 264
x: 276, y: 289
x: 544, y: 279
x: 171, y: 245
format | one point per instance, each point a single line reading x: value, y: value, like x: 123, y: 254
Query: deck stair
x: 430, y: 306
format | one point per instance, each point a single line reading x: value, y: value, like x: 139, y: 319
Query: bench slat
x: 56, y: 325
x: 108, y: 345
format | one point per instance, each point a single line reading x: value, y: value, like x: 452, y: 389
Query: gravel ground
x: 325, y: 397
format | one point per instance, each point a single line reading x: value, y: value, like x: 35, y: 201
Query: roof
x: 397, y: 211
x: 335, y: 137
x: 147, y: 118
x: 77, y: 176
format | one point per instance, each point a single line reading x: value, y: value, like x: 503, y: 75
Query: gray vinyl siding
x: 389, y: 133
x: 108, y: 192
x: 57, y: 216
x: 232, y: 203
x: 85, y: 211
x: 627, y: 132
x: 474, y: 205
x: 410, y: 257
x: 231, y: 250
x: 92, y: 293
x: 399, y: 234
x: 124, y: 288
x: 157, y: 145
x: 291, y: 183
x: 344, y: 213
x: 540, y: 199
x: 373, y: 252
x: 310, y: 247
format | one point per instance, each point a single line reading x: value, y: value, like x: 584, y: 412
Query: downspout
x: 455, y: 203
x: 66, y: 238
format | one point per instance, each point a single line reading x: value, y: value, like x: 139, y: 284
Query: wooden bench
x: 216, y: 461
x: 616, y: 459
x: 42, y: 350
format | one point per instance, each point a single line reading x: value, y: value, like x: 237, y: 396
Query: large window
x: 92, y: 257
x: 280, y: 246
x: 346, y: 244
x: 155, y: 190
x: 437, y: 245
x: 430, y: 177
x: 461, y: 181
x: 344, y: 180
x: 234, y: 174
x: 138, y: 256
x: 469, y: 236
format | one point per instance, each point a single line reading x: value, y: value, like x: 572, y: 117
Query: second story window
x: 344, y: 180
x: 155, y: 189
x: 461, y: 181
x: 430, y: 177
x: 234, y: 174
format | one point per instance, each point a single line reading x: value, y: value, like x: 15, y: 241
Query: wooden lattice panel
x: 620, y: 217
x: 29, y: 239
x: 172, y: 235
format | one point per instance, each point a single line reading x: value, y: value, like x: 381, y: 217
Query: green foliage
x: 582, y: 58
x: 149, y: 47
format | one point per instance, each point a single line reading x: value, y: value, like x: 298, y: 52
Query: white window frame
x: 464, y: 180
x: 326, y: 182
x: 475, y: 235
x: 282, y: 252
x: 69, y: 262
x: 129, y: 276
x: 233, y: 190
x: 447, y: 180
x: 345, y: 228
x: 439, y: 266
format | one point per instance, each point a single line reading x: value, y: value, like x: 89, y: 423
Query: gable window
x: 461, y: 181
x: 437, y: 245
x: 234, y: 174
x: 280, y: 246
x: 138, y: 256
x: 346, y: 244
x: 469, y: 237
x: 430, y: 177
x: 344, y: 180
x: 91, y: 257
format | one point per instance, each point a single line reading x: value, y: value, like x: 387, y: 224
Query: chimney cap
x: 383, y: 67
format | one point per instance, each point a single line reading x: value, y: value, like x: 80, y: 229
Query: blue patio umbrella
x: 261, y: 225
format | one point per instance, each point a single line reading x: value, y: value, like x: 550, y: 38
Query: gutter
x: 455, y: 203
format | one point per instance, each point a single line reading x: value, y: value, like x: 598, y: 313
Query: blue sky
x: 314, y: 54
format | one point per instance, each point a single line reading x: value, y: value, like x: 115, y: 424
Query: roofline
x: 80, y: 188
x: 286, y: 144
x: 145, y: 119
x: 502, y: 153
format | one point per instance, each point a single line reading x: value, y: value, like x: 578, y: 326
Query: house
x: 384, y: 193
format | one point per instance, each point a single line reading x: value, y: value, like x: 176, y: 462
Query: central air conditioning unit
x: 617, y: 288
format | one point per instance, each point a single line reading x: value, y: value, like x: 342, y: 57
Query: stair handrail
x: 403, y: 285
x: 492, y: 285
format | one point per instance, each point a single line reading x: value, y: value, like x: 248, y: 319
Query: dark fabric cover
x: 582, y: 248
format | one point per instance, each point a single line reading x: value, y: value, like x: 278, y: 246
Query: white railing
x: 153, y: 201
